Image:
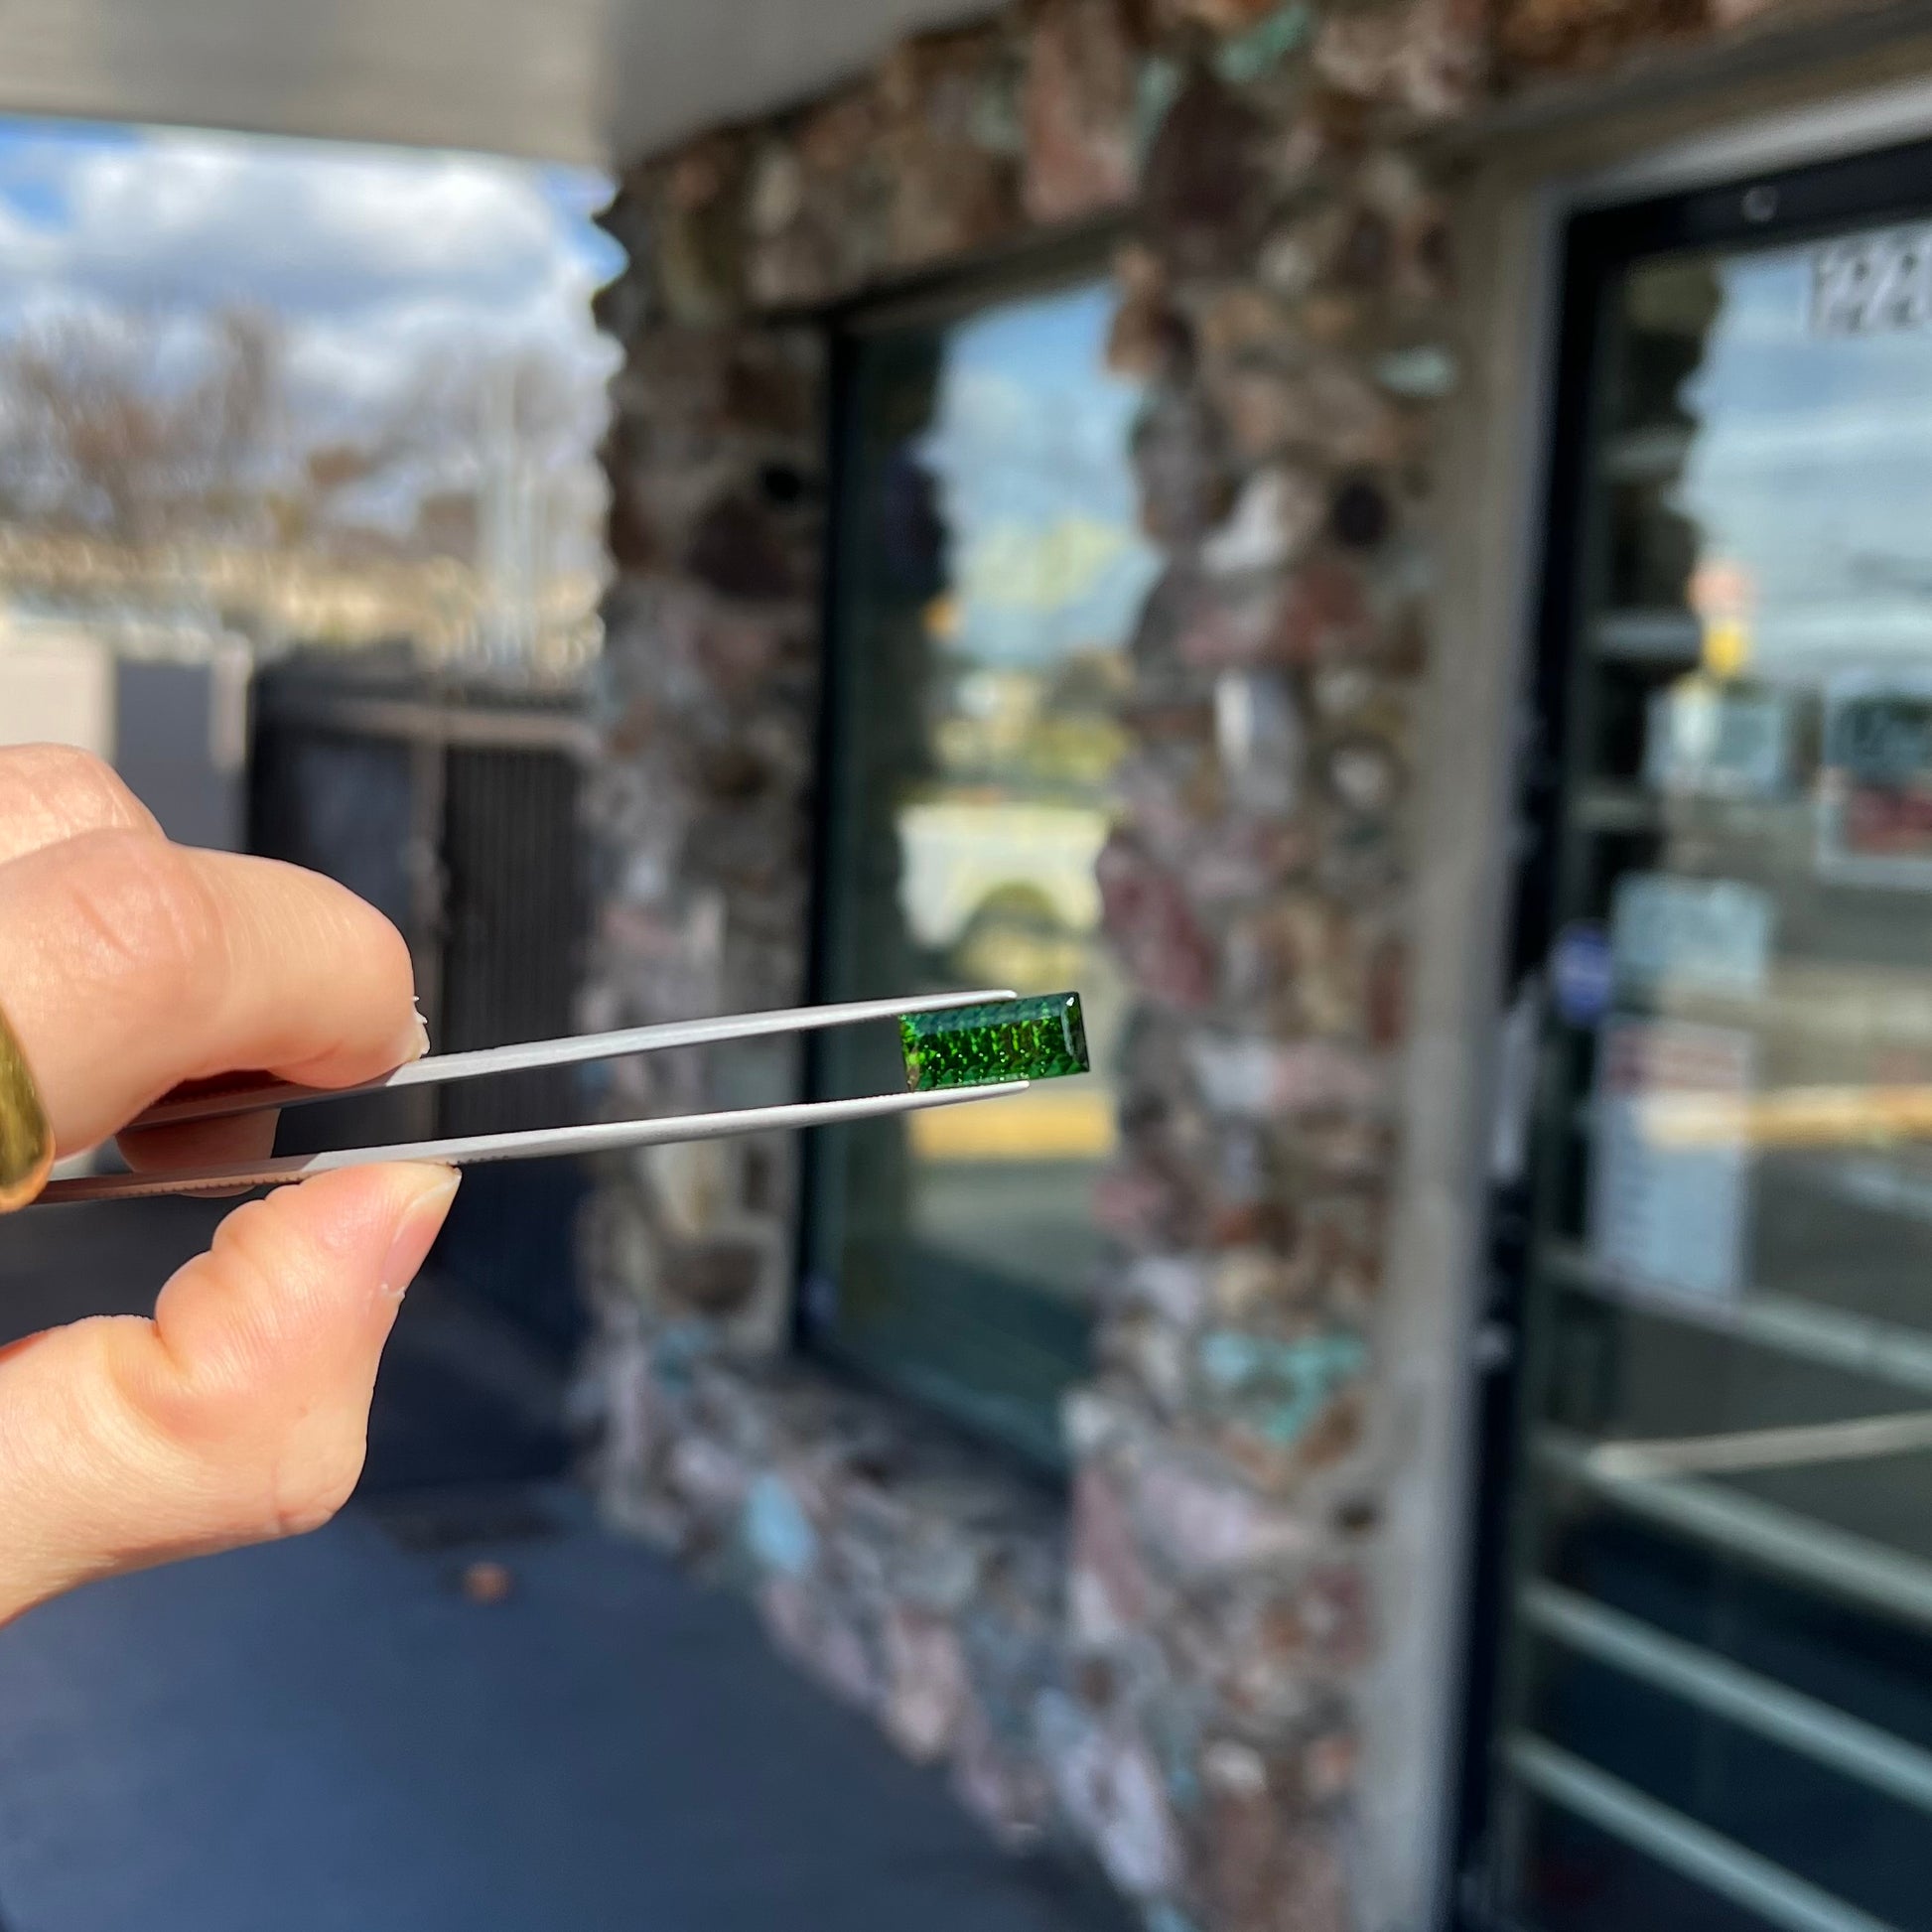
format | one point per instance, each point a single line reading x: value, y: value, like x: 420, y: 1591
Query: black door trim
x: 1771, y: 210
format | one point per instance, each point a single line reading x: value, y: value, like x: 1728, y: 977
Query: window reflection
x: 993, y: 572
x: 1767, y: 466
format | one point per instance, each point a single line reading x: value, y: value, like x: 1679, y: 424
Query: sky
x: 377, y: 262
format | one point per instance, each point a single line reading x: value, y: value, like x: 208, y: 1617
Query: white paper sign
x: 1706, y: 935
x: 1708, y: 741
x: 1673, y: 1219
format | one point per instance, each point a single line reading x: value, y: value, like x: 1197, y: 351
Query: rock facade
x: 1160, y: 1665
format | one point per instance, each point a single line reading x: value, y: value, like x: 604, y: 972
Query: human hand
x: 129, y: 966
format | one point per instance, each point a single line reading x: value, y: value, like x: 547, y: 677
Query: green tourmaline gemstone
x: 985, y: 1046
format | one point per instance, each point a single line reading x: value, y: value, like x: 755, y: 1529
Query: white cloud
x: 373, y: 259
x: 194, y: 216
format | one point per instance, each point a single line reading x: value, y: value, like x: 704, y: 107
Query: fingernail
x: 416, y: 1234
x: 412, y: 1043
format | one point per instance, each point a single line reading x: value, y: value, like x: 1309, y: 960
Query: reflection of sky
x: 1030, y: 447
x: 1813, y: 469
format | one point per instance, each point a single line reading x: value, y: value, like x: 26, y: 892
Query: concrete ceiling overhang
x: 588, y: 81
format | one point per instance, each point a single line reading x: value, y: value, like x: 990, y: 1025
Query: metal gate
x: 455, y: 813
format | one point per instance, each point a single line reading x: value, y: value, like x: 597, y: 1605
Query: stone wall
x: 1161, y: 1672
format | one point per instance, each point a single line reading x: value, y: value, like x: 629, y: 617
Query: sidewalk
x: 328, y: 1736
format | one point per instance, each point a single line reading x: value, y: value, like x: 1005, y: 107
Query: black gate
x: 455, y: 813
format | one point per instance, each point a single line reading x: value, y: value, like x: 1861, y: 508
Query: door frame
x: 1766, y: 102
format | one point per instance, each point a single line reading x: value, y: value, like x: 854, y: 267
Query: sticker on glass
x: 1691, y: 935
x: 1874, y: 799
x: 1873, y: 284
x: 1582, y: 974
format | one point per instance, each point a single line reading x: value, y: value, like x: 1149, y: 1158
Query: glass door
x: 1707, y: 1697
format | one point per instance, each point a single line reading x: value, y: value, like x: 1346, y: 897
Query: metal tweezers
x: 546, y: 1142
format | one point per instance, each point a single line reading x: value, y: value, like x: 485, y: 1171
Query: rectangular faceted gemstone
x: 985, y: 1046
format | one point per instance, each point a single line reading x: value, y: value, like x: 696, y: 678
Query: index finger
x: 128, y: 966
x: 52, y: 792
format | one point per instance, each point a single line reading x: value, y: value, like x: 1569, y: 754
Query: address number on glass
x: 1873, y: 284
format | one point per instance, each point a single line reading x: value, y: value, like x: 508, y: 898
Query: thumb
x: 239, y: 1413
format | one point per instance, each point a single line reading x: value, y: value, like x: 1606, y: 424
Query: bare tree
x: 148, y: 430
x: 124, y: 428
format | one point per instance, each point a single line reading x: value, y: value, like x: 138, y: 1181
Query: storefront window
x: 1717, y: 1697
x: 990, y: 574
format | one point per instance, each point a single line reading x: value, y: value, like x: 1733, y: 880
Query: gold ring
x: 26, y: 1132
